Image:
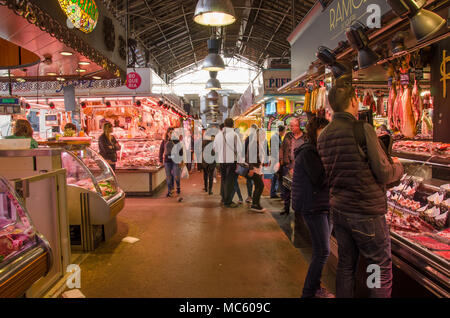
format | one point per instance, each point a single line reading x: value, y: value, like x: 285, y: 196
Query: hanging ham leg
x: 408, y: 125
x: 398, y: 109
x: 416, y: 102
x: 390, y: 110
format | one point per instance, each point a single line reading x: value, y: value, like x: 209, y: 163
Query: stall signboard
x: 134, y: 80
x: 83, y: 14
x: 274, y: 79
x: 440, y: 90
x: 328, y: 27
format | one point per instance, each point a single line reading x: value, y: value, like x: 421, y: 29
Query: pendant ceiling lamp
x: 326, y: 56
x: 213, y: 62
x: 424, y: 23
x: 213, y: 84
x: 212, y: 96
x: 358, y: 39
x: 214, y: 12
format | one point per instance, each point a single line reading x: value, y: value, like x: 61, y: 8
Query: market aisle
x: 194, y: 249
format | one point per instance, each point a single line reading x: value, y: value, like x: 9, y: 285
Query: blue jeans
x: 285, y: 192
x: 237, y: 190
x: 173, y: 173
x: 368, y: 235
x: 274, y: 185
x: 249, y: 187
x: 319, y: 226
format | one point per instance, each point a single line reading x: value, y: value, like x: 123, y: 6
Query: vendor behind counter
x: 22, y: 130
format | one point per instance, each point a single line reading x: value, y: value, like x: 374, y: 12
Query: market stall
x: 398, y: 78
x: 140, y: 131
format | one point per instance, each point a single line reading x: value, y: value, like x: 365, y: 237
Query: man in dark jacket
x: 357, y: 180
x: 293, y: 140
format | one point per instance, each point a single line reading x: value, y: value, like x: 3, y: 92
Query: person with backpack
x: 357, y: 170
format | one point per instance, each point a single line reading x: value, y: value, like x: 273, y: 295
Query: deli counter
x: 138, y: 170
x: 25, y: 255
x: 94, y: 195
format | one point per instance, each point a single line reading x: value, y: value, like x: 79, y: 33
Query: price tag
x: 404, y: 79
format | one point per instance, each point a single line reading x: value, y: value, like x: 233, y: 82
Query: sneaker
x: 275, y: 197
x: 168, y: 195
x: 178, y: 191
x: 258, y: 209
x: 210, y: 192
x: 324, y: 293
x: 248, y: 200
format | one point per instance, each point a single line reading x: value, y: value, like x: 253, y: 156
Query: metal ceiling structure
x: 172, y: 43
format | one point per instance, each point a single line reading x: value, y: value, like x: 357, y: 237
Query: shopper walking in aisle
x: 221, y: 170
x: 173, y: 173
x: 357, y: 172
x: 23, y: 130
x: 292, y: 141
x: 254, y: 158
x: 275, y: 147
x: 208, y: 167
x: 108, y: 145
x: 310, y: 200
x: 227, y: 146
x: 249, y: 182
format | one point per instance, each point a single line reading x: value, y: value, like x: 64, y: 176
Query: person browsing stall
x: 108, y: 145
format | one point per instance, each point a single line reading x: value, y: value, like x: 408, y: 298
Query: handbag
x: 242, y: 169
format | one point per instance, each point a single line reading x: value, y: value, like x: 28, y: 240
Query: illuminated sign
x: 82, y: 13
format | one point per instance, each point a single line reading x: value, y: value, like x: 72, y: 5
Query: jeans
x: 319, y: 226
x: 274, y: 185
x: 259, y: 187
x: 237, y: 190
x: 368, y: 235
x: 208, y: 176
x: 229, y: 178
x: 222, y: 171
x: 173, y: 172
x: 285, y: 192
x: 249, y: 187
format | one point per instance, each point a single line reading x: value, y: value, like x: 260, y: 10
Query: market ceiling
x: 176, y: 43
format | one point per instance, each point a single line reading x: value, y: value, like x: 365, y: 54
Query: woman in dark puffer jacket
x: 310, y: 200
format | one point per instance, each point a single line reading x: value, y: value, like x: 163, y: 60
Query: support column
x: 71, y: 105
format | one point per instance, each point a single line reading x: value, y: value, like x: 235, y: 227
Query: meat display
x: 444, y: 254
x: 428, y: 242
x: 423, y: 147
x: 416, y: 103
x: 407, y: 122
x: 380, y: 105
x: 369, y: 101
x: 391, y: 101
x: 398, y: 109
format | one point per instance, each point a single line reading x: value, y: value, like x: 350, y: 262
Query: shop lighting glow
x: 425, y: 93
x: 80, y: 70
x: 96, y: 77
x: 61, y: 79
x: 20, y: 80
x: 214, y: 12
x: 84, y: 63
x: 51, y: 74
x: 66, y: 53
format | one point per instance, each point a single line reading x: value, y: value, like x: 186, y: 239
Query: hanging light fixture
x: 424, y: 23
x: 358, y: 39
x: 213, y: 62
x: 213, y: 84
x: 214, y: 12
x: 326, y: 56
x: 212, y: 96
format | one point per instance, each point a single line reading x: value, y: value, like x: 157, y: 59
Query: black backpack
x: 385, y: 142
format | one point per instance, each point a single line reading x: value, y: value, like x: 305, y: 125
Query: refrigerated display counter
x: 94, y: 195
x: 25, y: 255
x: 138, y: 169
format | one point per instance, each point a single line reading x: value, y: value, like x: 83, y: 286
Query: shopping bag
x: 185, y: 172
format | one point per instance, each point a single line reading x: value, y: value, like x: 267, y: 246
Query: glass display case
x: 20, y: 246
x: 98, y: 176
x: 418, y: 216
x: 95, y: 197
x: 136, y: 153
